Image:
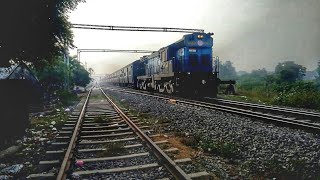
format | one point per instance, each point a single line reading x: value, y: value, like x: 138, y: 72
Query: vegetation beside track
x: 31, y: 148
x: 285, y: 87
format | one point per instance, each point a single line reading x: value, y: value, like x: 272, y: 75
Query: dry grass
x: 176, y: 142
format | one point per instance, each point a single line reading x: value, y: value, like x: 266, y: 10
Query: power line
x: 135, y: 28
x: 115, y: 50
x: 112, y: 50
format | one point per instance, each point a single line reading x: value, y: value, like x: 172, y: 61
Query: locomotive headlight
x: 200, y: 36
x: 204, y: 81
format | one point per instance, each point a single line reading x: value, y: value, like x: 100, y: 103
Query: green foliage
x: 227, y: 71
x: 80, y: 76
x: 101, y: 119
x: 192, y: 141
x: 113, y: 149
x: 256, y: 86
x: 224, y: 149
x: 282, y: 88
x: 54, y: 77
x: 44, y: 122
x: 35, y: 31
x: 66, y: 97
x: 289, y: 72
x: 293, y: 168
x: 299, y: 94
x: 318, y: 71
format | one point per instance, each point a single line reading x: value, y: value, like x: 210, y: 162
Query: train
x: 185, y: 66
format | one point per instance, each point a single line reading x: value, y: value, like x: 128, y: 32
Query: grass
x: 101, y: 119
x: 192, y: 141
x: 224, y: 149
x: 250, y: 96
x: 97, y: 97
x: 113, y: 149
x: 67, y: 98
x: 45, y: 121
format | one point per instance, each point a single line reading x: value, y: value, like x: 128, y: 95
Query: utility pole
x: 67, y: 62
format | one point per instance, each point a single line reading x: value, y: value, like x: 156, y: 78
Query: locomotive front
x: 195, y: 55
x: 193, y: 63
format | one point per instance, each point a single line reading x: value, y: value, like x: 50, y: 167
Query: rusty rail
x: 175, y: 170
x: 68, y: 155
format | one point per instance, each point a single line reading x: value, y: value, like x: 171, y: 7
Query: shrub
x: 299, y: 94
x: 66, y: 97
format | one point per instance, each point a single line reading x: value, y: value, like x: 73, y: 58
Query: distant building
x: 19, y: 89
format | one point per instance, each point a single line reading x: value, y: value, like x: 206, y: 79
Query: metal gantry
x: 135, y: 28
x: 112, y: 50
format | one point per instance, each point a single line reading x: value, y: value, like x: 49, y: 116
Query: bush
x: 225, y: 149
x: 66, y: 97
x: 299, y: 94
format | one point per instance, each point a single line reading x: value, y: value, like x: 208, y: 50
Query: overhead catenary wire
x: 135, y: 28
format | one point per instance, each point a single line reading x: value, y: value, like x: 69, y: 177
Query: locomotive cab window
x: 193, y: 59
x: 205, y: 59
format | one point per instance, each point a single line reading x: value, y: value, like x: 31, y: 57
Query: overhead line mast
x: 135, y: 28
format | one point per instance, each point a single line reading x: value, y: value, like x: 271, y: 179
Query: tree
x: 318, y: 71
x: 35, y: 31
x: 227, y: 71
x: 289, y: 72
x: 53, y: 76
x: 260, y: 73
x: 80, y: 76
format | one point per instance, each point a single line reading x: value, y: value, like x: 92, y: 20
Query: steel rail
x: 299, y: 124
x: 68, y: 155
x: 266, y: 107
x: 176, y: 171
x: 278, y: 110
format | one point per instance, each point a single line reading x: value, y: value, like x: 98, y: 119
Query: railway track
x: 283, y: 116
x: 295, y: 113
x: 102, y: 141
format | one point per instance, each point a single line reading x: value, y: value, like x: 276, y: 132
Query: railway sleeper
x: 128, y: 168
x: 127, y: 146
x: 115, y: 170
x: 115, y: 126
x: 48, y: 164
x: 87, y: 142
x: 92, y: 123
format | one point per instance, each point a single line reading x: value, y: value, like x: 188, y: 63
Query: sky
x: 252, y: 34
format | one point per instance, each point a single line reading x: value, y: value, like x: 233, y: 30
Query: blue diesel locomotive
x: 185, y: 66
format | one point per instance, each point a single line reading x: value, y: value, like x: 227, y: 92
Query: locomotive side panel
x: 183, y: 66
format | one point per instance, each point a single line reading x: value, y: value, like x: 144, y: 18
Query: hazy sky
x: 252, y: 34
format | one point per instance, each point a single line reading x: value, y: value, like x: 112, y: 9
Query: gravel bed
x: 258, y: 148
x: 97, y: 154
x: 92, y: 133
x: 119, y: 163
x: 93, y: 146
x: 190, y: 168
x: 154, y: 173
x: 111, y: 138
